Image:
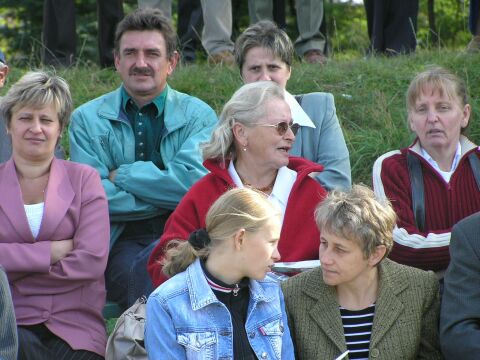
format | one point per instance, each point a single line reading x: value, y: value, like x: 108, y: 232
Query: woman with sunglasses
x: 263, y: 52
x: 249, y: 148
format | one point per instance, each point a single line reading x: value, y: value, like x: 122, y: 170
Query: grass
x: 369, y: 94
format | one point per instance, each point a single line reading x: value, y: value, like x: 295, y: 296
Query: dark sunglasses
x: 282, y: 127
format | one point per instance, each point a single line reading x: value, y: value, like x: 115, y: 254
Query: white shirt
x: 299, y: 116
x: 34, y: 214
x: 281, y: 188
x: 446, y: 175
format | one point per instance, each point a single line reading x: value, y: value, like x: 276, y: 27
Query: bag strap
x: 475, y: 165
x: 418, y: 191
x: 299, y: 99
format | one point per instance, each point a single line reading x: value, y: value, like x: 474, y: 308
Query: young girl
x: 218, y: 304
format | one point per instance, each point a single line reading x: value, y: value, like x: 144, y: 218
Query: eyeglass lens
x: 283, y: 126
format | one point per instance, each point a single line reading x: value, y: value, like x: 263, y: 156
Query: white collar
x: 299, y: 116
x: 281, y: 188
x: 445, y: 174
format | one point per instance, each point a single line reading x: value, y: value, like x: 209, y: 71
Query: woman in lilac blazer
x: 54, y: 228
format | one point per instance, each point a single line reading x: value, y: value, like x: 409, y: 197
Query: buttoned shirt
x: 148, y: 126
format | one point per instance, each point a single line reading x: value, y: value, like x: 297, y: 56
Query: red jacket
x: 445, y: 205
x: 299, y: 238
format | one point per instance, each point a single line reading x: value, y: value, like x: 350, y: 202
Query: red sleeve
x: 187, y: 217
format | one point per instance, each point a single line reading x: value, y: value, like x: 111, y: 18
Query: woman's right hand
x: 59, y: 249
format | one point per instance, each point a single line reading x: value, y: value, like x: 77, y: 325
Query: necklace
x: 265, y: 189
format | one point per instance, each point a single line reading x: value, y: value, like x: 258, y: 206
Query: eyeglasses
x: 282, y: 127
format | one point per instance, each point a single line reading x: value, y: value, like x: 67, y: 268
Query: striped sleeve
x: 425, y: 250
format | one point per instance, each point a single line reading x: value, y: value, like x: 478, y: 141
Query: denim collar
x: 202, y: 295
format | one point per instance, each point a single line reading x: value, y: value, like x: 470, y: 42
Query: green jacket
x: 101, y: 136
x: 405, y: 325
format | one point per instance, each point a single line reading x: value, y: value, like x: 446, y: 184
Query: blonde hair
x: 246, y: 106
x: 38, y: 89
x: 441, y: 80
x: 236, y: 209
x: 358, y: 216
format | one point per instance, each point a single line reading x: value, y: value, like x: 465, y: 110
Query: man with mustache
x: 143, y: 140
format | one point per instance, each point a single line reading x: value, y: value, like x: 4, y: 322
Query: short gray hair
x: 246, y: 106
x: 38, y: 89
x: 267, y: 35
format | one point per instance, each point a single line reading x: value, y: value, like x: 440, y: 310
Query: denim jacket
x: 185, y: 320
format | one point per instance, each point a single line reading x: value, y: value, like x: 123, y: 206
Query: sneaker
x: 315, y: 57
x: 222, y: 58
x: 474, y: 44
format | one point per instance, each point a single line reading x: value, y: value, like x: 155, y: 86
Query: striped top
x: 357, y: 327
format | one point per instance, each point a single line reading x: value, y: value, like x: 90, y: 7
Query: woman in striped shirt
x: 358, y: 301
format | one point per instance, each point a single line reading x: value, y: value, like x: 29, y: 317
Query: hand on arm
x: 112, y: 175
x: 89, y: 149
x: 82, y: 259
x: 60, y: 249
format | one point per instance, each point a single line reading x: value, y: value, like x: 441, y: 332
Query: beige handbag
x: 127, y: 338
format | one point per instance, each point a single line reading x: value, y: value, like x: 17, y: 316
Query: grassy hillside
x: 369, y: 94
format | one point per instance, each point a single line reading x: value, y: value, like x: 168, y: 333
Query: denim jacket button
x: 252, y: 335
x: 224, y: 333
x: 264, y: 355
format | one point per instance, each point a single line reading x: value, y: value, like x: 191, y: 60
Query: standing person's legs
x: 260, y: 10
x: 189, y: 28
x: 311, y: 43
x: 474, y: 25
x: 59, y: 36
x: 401, y: 27
x: 164, y: 5
x: 109, y: 14
x: 376, y: 11
x: 217, y: 30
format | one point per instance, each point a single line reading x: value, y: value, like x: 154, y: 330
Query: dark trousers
x: 392, y: 25
x: 36, y: 342
x: 473, y: 24
x: 189, y: 28
x: 126, y: 277
x: 109, y: 14
x: 59, y: 31
x: 59, y: 38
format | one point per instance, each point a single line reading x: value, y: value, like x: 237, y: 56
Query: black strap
x: 418, y: 191
x: 299, y: 99
x: 475, y: 165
